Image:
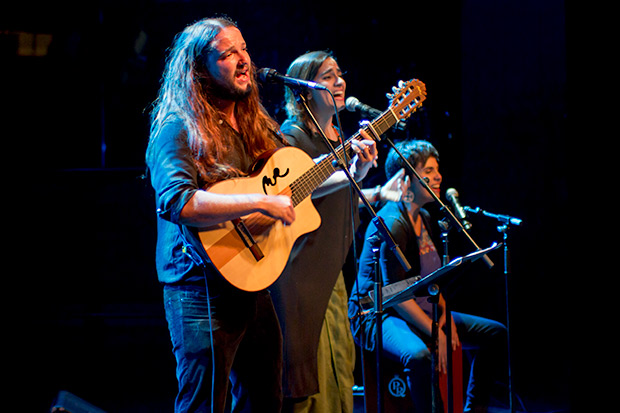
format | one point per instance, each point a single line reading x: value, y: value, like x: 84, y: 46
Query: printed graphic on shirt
x: 429, y: 258
x: 429, y: 262
x: 425, y: 243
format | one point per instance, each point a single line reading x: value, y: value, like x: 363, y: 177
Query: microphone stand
x: 505, y: 222
x: 445, y: 229
x: 383, y: 232
x: 379, y: 327
x: 504, y: 230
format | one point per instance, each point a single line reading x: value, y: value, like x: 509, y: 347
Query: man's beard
x: 230, y: 92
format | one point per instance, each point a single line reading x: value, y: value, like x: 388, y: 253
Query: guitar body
x: 225, y: 245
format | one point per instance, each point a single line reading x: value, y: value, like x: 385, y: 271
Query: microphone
x: 267, y: 75
x: 453, y: 196
x: 353, y: 104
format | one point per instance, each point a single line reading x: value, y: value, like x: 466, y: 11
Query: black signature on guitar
x: 272, y: 181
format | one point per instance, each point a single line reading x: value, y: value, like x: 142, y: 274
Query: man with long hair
x: 207, y: 125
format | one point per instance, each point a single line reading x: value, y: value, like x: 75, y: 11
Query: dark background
x: 78, y: 79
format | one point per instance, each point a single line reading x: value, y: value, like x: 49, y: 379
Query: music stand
x: 431, y: 279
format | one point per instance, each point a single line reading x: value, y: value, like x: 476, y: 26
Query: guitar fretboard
x: 303, y: 186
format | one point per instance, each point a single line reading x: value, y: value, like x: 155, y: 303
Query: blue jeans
x: 402, y: 343
x: 233, y: 336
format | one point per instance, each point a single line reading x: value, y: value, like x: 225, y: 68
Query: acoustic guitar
x: 252, y: 251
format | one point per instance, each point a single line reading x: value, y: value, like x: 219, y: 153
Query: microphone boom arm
x: 504, y: 219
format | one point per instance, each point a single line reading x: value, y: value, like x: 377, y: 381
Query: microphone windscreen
x: 451, y: 192
x: 266, y: 75
x: 351, y: 103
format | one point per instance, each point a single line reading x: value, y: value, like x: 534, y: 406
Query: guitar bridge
x: 248, y: 239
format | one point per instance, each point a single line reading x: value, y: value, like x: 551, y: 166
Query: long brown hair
x: 185, y: 94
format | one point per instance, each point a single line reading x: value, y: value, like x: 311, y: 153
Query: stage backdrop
x: 78, y: 81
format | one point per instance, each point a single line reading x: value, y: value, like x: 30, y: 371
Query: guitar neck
x: 303, y: 186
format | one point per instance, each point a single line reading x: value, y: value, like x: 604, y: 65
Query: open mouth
x: 242, y: 75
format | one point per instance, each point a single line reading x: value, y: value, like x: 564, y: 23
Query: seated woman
x: 407, y: 326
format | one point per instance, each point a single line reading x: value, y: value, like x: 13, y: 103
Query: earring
x: 409, y: 196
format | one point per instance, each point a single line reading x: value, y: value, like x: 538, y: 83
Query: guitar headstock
x: 407, y: 98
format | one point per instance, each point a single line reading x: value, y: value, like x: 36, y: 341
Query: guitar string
x: 300, y: 188
x: 305, y: 184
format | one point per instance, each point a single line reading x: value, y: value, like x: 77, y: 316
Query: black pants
x: 407, y: 346
x: 245, y: 346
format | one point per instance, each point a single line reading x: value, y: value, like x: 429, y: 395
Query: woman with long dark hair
x: 310, y: 296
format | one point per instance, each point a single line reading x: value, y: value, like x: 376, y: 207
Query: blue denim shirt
x: 174, y: 178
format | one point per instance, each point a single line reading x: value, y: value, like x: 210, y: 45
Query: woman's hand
x: 365, y: 155
x: 395, y: 187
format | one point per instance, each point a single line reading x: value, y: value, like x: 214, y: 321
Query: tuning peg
x: 390, y: 96
x: 394, y: 89
x: 401, y: 84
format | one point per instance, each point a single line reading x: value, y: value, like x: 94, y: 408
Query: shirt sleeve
x: 174, y: 176
x: 391, y: 268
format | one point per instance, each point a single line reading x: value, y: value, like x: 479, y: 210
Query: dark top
x: 302, y: 292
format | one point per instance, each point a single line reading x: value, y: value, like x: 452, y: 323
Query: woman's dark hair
x: 305, y: 67
x: 415, y: 151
